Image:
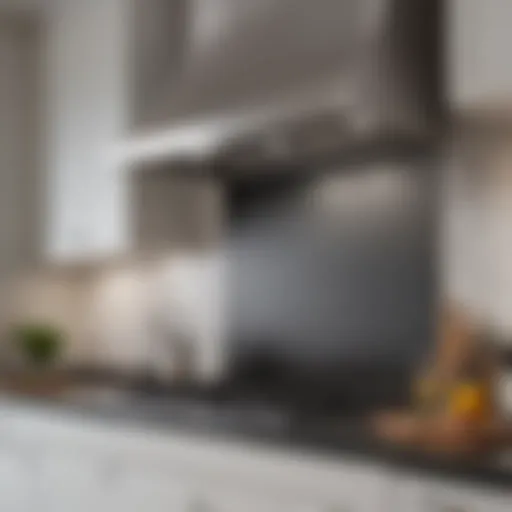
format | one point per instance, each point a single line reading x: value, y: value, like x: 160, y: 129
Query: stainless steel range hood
x: 243, y: 65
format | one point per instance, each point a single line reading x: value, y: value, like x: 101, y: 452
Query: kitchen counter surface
x: 343, y: 437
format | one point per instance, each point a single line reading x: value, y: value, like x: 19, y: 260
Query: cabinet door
x: 85, y: 87
x: 479, y: 71
x: 17, y: 480
x: 73, y: 482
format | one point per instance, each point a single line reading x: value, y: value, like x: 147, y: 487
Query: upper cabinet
x: 479, y: 72
x: 86, y: 108
x: 98, y: 206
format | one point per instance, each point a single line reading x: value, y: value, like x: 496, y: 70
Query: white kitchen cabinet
x: 85, y: 116
x: 479, y: 68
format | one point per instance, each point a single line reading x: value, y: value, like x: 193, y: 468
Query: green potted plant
x: 40, y: 344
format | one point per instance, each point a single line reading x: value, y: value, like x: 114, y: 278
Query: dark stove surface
x: 239, y: 408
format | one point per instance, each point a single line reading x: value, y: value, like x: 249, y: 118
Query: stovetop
x: 218, y: 407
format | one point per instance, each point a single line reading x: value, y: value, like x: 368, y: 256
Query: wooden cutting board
x: 443, y: 435
x: 34, y: 383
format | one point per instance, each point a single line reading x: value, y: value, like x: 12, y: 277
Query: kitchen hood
x: 247, y: 65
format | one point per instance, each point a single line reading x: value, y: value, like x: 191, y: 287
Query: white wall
x: 497, y: 221
x: 136, y: 310
x: 477, y: 239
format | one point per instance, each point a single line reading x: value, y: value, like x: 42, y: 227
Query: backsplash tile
x: 126, y: 315
x: 57, y: 298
